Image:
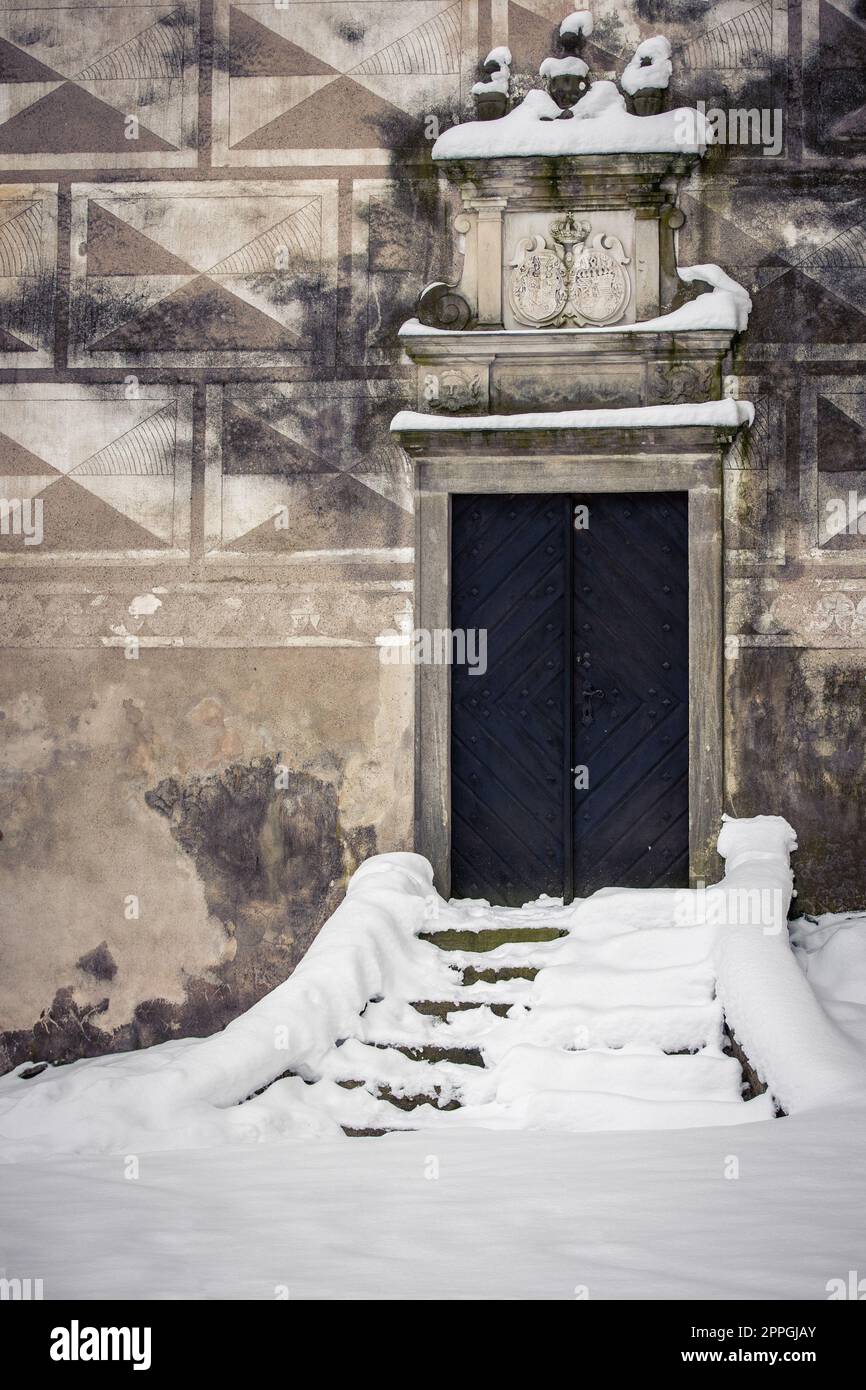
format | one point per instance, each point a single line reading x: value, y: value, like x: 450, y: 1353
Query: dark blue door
x: 570, y: 754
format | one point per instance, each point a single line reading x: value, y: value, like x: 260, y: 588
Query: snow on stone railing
x: 804, y: 1058
x: 185, y: 1094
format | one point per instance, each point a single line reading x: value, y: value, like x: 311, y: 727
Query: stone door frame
x: 579, y: 461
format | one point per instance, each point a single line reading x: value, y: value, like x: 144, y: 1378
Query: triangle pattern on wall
x: 16, y: 461
x: 367, y: 75
x: 108, y: 482
x: 253, y: 447
x: 76, y: 519
x: 70, y: 120
x: 201, y: 313
x: 325, y: 513
x: 795, y: 309
x: 71, y: 79
x: 341, y: 113
x: 256, y: 51
x: 841, y: 440
x: 16, y: 65
x: 116, y: 248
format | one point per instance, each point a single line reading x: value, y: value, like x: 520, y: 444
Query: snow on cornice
x: 727, y: 414
x: 535, y: 128
x: 725, y: 307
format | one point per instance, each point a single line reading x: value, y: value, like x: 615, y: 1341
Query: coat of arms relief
x: 569, y: 277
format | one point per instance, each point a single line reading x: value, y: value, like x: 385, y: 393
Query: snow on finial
x: 578, y: 22
x: 497, y: 66
x: 500, y: 56
x: 562, y: 67
x: 650, y: 69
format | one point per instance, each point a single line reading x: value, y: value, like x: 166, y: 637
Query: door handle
x: 590, y: 693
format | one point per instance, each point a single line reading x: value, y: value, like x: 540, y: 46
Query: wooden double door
x: 569, y: 754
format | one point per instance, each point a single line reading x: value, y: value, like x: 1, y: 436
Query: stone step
x: 428, y: 1052
x: 441, y: 1008
x: 473, y: 976
x: 489, y: 938
x: 412, y: 1075
x: 412, y: 1102
x: 431, y: 1097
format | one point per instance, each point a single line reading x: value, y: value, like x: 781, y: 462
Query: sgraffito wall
x: 212, y: 220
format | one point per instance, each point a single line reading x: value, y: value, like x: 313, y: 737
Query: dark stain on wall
x: 268, y: 844
x: 265, y: 841
x: 99, y: 963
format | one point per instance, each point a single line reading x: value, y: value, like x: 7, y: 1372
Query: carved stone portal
x: 553, y: 283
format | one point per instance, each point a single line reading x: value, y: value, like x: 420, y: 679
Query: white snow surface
x: 601, y: 125
x: 726, y: 412
x: 563, y: 67
x: 643, y: 76
x: 635, y: 976
x: 831, y: 952
x: 498, y: 81
x: 474, y: 1215
x: 578, y: 22
x: 726, y: 306
x: 500, y: 55
x: 471, y: 1212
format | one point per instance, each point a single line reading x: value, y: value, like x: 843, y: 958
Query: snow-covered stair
x: 600, y: 1015
x: 618, y: 1012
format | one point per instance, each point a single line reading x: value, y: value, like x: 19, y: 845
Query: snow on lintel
x: 727, y: 413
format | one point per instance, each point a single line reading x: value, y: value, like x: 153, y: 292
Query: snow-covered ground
x: 510, y: 1215
x: 144, y: 1177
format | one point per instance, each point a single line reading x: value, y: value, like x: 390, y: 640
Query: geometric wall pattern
x: 295, y: 471
x: 112, y: 473
x: 98, y: 86
x: 834, y: 63
x: 218, y: 296
x: 205, y: 274
x: 213, y: 218
x: 331, y: 82
x: 28, y: 258
x: 833, y: 473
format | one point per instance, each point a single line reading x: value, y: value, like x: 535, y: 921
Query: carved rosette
x: 553, y: 283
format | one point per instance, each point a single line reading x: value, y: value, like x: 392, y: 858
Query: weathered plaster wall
x: 177, y: 828
x: 197, y: 366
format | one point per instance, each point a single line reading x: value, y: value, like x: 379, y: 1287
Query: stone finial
x: 568, y: 77
x: 645, y: 79
x: 491, y: 93
x: 574, y: 30
x: 567, y: 81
